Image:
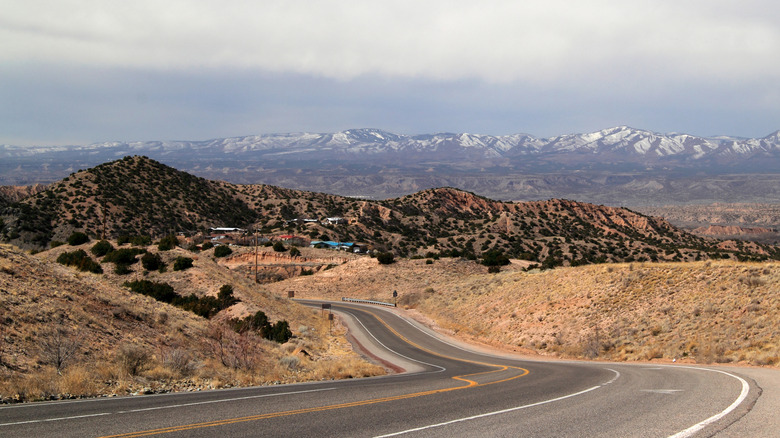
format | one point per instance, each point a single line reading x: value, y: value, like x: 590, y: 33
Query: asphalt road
x: 447, y: 391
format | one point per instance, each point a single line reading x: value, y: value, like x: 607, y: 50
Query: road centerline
x: 463, y: 378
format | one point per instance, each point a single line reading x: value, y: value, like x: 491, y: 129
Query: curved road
x: 447, y: 391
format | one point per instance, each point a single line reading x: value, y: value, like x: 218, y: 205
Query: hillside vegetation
x: 66, y: 333
x: 137, y: 195
x: 703, y: 312
x: 124, y: 308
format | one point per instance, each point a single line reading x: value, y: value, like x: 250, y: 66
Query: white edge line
x: 699, y: 426
x: 441, y: 368
x: 503, y: 411
x: 163, y: 407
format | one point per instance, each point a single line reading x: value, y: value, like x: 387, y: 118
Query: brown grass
x: 128, y: 343
x: 725, y: 312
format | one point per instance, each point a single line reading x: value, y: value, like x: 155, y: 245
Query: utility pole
x: 255, y: 233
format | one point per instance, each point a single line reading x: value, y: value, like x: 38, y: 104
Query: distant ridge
x: 622, y: 143
x: 616, y: 166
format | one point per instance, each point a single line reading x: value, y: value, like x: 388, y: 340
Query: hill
x: 702, y: 312
x: 66, y: 333
x: 139, y: 196
x: 134, y: 195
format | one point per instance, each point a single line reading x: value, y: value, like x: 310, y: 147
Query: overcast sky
x: 78, y: 72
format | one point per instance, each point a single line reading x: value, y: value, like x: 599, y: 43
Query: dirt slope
x: 700, y: 311
x: 67, y: 333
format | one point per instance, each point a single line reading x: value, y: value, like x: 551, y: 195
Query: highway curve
x: 447, y: 391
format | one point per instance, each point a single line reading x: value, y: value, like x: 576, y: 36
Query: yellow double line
x: 463, y: 378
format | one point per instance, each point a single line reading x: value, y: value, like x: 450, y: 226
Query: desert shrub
x: 167, y: 243
x: 494, y: 269
x: 279, y: 332
x: 123, y: 256
x: 385, y: 258
x: 290, y: 362
x: 159, y: 291
x: 81, y: 260
x: 279, y: 247
x: 133, y: 359
x: 206, y: 307
x: 134, y: 240
x: 494, y: 258
x: 222, y: 251
x: 207, y: 245
x: 254, y: 322
x: 56, y: 243
x: 77, y: 238
x: 182, y: 263
x: 295, y: 252
x: 151, y: 261
x: 122, y: 269
x: 225, y: 296
x: 102, y: 248
x: 180, y: 361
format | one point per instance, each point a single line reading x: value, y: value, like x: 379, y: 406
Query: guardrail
x: 355, y: 300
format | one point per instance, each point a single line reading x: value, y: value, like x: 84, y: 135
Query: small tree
x: 77, y: 238
x: 167, y: 243
x: 182, y: 263
x: 102, y: 248
x: 57, y: 347
x: 122, y: 269
x: 123, y: 256
x: 222, y: 251
x: 385, y: 258
x: 494, y: 258
x: 279, y: 247
x: 151, y: 261
x: 225, y: 296
x: 80, y: 260
x: 280, y: 332
x: 295, y: 252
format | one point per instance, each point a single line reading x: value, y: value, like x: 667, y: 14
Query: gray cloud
x: 94, y: 70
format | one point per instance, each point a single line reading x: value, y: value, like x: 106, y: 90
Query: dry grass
x: 706, y: 312
x: 127, y: 343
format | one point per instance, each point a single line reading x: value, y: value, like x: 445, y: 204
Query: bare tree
x: 134, y: 359
x: 58, y: 347
x: 233, y: 350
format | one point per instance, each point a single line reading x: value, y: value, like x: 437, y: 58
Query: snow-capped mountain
x: 618, y: 148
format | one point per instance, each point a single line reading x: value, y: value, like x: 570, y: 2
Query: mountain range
x: 379, y: 164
